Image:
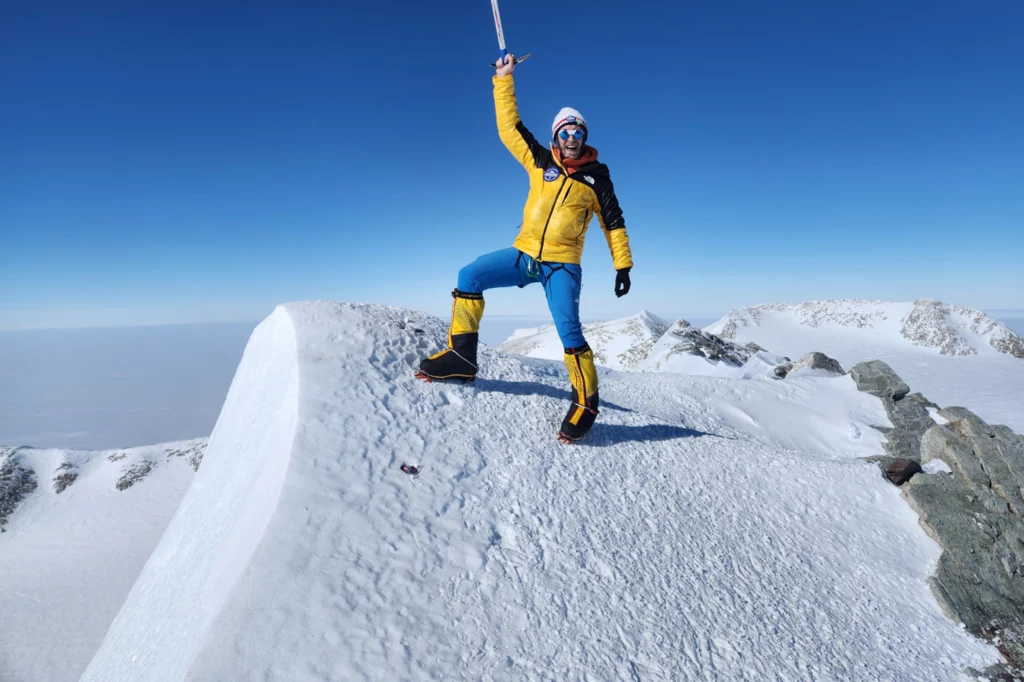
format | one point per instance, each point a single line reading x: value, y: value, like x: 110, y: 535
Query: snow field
x: 68, y: 560
x: 708, y: 529
x: 991, y: 384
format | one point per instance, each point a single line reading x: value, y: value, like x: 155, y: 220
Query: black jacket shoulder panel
x: 596, y: 175
x: 541, y: 154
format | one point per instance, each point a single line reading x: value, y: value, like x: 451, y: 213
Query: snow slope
x: 709, y: 529
x: 677, y: 352
x: 925, y: 323
x: 617, y: 344
x: 946, y: 352
x: 69, y: 559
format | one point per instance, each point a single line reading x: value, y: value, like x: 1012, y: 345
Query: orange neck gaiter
x: 572, y: 165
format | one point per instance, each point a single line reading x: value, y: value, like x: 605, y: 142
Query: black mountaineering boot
x: 583, y: 410
x: 458, y: 360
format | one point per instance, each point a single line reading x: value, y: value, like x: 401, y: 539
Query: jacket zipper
x: 545, y: 230
x: 586, y: 221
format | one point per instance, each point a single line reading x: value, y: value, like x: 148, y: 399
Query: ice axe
x: 501, y: 36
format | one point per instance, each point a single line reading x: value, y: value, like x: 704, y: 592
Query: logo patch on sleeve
x: 551, y: 174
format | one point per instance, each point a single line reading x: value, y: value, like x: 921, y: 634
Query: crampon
x: 422, y: 376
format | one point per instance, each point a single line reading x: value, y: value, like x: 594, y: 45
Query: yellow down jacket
x: 561, y: 201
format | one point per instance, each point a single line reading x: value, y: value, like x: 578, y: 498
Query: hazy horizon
x: 109, y: 387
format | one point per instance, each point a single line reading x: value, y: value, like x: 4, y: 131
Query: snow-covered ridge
x: 78, y: 526
x: 687, y: 350
x: 646, y: 343
x: 221, y: 521
x: 303, y: 549
x: 617, y: 344
x: 27, y: 472
x: 925, y: 323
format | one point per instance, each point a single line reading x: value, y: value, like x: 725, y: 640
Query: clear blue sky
x: 187, y: 161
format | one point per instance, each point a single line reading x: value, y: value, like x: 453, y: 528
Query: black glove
x: 622, y: 282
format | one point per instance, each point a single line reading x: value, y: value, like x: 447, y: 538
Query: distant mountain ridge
x: 76, y: 529
x: 685, y: 349
x: 618, y: 344
x: 954, y: 354
x: 926, y: 323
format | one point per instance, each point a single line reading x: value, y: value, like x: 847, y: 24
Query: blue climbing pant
x: 513, y: 268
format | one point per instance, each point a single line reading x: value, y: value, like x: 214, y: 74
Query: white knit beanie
x: 568, y: 116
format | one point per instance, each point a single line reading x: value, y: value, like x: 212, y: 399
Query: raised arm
x: 513, y: 133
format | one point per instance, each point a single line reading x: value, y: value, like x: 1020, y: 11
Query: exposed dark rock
x: 684, y: 338
x: 698, y: 342
x: 898, y: 470
x: 877, y: 378
x: 975, y: 515
x: 1011, y: 344
x: 816, y: 360
x: 781, y: 371
x: 927, y: 325
x: 67, y: 475
x: 954, y: 413
x: 193, y: 453
x: 910, y: 421
x: 910, y: 418
x: 921, y: 400
x: 17, y: 482
x: 997, y: 673
x: 134, y: 474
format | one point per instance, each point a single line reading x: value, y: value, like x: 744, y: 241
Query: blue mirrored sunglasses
x: 575, y: 134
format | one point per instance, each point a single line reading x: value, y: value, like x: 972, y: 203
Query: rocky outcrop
x: 17, y: 481
x: 683, y: 339
x: 693, y: 341
x: 909, y: 415
x: 134, y: 473
x: 1011, y: 344
x: 782, y: 371
x: 921, y: 400
x: 67, y: 473
x: 193, y: 454
x: 879, y: 379
x: 816, y: 360
x: 974, y: 512
x: 898, y: 470
x: 951, y: 328
x: 926, y: 325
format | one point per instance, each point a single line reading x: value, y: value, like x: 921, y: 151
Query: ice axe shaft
x: 501, y: 36
x: 497, y: 27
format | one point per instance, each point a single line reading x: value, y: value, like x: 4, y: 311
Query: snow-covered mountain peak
x: 956, y: 330
x: 303, y: 546
x: 42, y: 476
x: 617, y: 344
x: 925, y: 323
x: 78, y: 526
x: 686, y: 349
